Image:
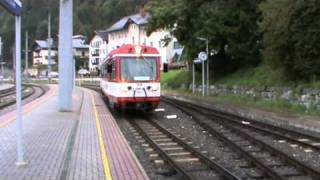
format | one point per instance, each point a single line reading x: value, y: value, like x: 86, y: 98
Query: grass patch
x: 254, y: 77
x: 273, y: 105
x: 251, y: 76
x: 175, y: 78
x: 280, y: 106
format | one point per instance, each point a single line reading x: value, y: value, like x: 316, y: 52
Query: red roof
x: 132, y: 49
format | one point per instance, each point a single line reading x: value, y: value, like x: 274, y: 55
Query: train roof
x: 134, y: 50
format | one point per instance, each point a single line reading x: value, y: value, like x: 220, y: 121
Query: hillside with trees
x: 282, y: 34
x: 89, y: 15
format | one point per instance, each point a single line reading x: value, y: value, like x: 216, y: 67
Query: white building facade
x: 132, y: 30
x: 80, y: 50
x: 40, y: 53
x: 98, y: 50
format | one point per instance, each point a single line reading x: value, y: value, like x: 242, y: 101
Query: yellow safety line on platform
x: 105, y: 161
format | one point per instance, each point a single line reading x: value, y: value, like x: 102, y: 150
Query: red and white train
x: 131, y: 77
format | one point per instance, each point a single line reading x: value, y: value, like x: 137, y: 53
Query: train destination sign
x: 13, y: 6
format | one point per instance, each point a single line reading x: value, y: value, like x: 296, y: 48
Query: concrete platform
x: 83, y: 144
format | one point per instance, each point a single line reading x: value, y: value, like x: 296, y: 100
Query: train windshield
x: 138, y: 69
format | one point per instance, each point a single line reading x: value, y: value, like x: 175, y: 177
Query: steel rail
x: 6, y: 91
x: 259, y: 164
x: 24, y: 96
x: 9, y: 92
x: 162, y: 153
x: 276, y: 131
x: 307, y: 169
x: 210, y: 163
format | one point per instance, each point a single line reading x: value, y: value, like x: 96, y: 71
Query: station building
x: 40, y: 52
x: 80, y: 50
x: 132, y: 30
x: 98, y: 49
x: 79, y: 46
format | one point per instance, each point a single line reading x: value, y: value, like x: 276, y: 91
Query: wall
x: 135, y: 34
x: 97, y: 44
x: 41, y: 57
x: 303, y: 96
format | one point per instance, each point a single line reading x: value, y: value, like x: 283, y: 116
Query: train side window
x: 113, y: 73
x: 109, y: 68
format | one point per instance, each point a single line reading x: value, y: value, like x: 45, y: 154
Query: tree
x: 230, y: 25
x: 89, y: 15
x: 292, y: 37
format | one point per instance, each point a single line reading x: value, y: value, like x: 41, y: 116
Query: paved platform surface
x: 4, y: 86
x: 83, y: 144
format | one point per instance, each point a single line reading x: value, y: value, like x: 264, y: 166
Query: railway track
x: 240, y: 135
x: 186, y: 160
x: 7, y: 97
x: 6, y: 92
x: 93, y: 86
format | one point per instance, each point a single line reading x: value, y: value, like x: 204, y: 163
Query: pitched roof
x: 102, y: 34
x: 79, y: 43
x: 136, y: 18
x: 43, y: 44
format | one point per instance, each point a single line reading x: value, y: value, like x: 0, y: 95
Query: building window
x: 83, y: 53
x: 177, y: 45
x: 133, y: 40
x: 151, y: 44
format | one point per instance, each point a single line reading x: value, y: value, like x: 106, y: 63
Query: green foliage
x: 292, y: 37
x: 231, y: 27
x: 261, y: 75
x: 89, y: 15
x: 175, y: 78
x: 274, y: 105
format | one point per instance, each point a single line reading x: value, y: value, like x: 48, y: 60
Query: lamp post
x: 1, y: 63
x: 213, y: 53
x: 0, y: 48
x: 207, y: 50
x: 49, y: 41
x: 26, y: 51
x: 2, y: 68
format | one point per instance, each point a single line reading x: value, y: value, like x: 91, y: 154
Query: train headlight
x: 155, y: 88
x: 124, y: 88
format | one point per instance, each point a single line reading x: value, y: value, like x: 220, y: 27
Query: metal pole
x: 193, y: 79
x: 2, y: 68
x: 74, y: 72
x: 203, y: 78
x: 26, y: 56
x: 65, y: 55
x: 49, y: 47
x: 0, y: 48
x: 208, y: 83
x: 18, y: 94
x: 1, y: 63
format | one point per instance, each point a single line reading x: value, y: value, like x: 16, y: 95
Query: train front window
x: 138, y: 69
